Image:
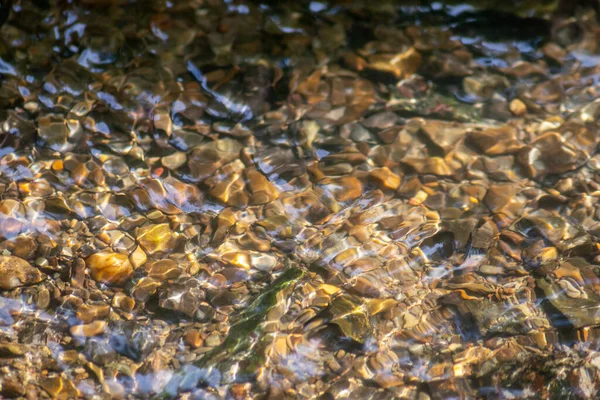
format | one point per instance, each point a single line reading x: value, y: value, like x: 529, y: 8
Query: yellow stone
x: 237, y: 259
x: 262, y: 190
x: 163, y: 270
x: 383, y: 178
x: 137, y: 258
x: 343, y: 189
x: 156, y: 238
x: 109, y: 268
x: 517, y: 107
x: 60, y: 388
x: 88, y: 330
x: 328, y: 289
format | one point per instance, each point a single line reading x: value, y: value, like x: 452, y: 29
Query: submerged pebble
x: 109, y: 268
x: 16, y: 272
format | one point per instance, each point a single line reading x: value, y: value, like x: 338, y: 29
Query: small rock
x: 9, y: 350
x: 384, y: 179
x: 11, y: 388
x: 213, y: 340
x: 174, y: 160
x: 137, y: 258
x: 60, y: 388
x: 517, y: 107
x: 88, y: 313
x: 25, y: 247
x: 109, y: 267
x: 193, y: 339
x: 163, y: 270
x: 156, y: 238
x: 123, y: 302
x: 15, y: 272
x: 88, y: 330
x: 144, y: 288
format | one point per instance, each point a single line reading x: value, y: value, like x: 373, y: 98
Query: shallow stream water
x: 221, y: 199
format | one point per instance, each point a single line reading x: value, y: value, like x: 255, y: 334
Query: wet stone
x: 193, y: 339
x: 156, y: 238
x: 8, y: 350
x: 109, y: 268
x: 184, y: 296
x: 16, y: 272
x: 92, y: 329
x: 59, y: 388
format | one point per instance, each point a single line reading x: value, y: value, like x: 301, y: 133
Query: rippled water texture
x: 306, y: 200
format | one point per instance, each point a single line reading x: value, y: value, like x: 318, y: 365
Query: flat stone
x: 88, y: 330
x: 16, y: 272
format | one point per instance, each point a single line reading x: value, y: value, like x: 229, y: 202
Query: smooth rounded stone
x: 98, y: 350
x: 12, y: 227
x: 124, y: 302
x: 544, y: 223
x: 114, y: 390
x: 156, y: 238
x: 495, y: 141
x: 60, y: 388
x: 9, y: 350
x: 384, y: 179
x: 517, y: 107
x: 193, y: 338
x: 88, y: 330
x: 382, y: 120
x: 54, y: 131
x: 492, y: 270
x: 144, y: 288
x: 184, y: 296
x: 24, y: 247
x: 137, y: 258
x: 207, y: 158
x: 109, y: 268
x: 432, y: 165
x: 16, y: 272
x: 87, y: 313
x: 163, y: 270
x: 227, y: 186
x: 213, y: 340
x: 548, y: 154
x: 499, y: 196
x: 138, y: 340
x: 174, y: 160
x: 11, y: 207
x: 343, y: 189
x: 262, y: 191
x: 444, y: 134
x: 237, y: 259
x: 262, y: 261
x: 11, y: 387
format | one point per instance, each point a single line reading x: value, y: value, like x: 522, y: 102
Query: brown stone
x: 125, y: 303
x: 156, y: 238
x: 15, y: 272
x: 384, y: 179
x: 517, y: 107
x: 193, y: 339
x: 88, y: 330
x: 109, y: 268
x: 60, y: 388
